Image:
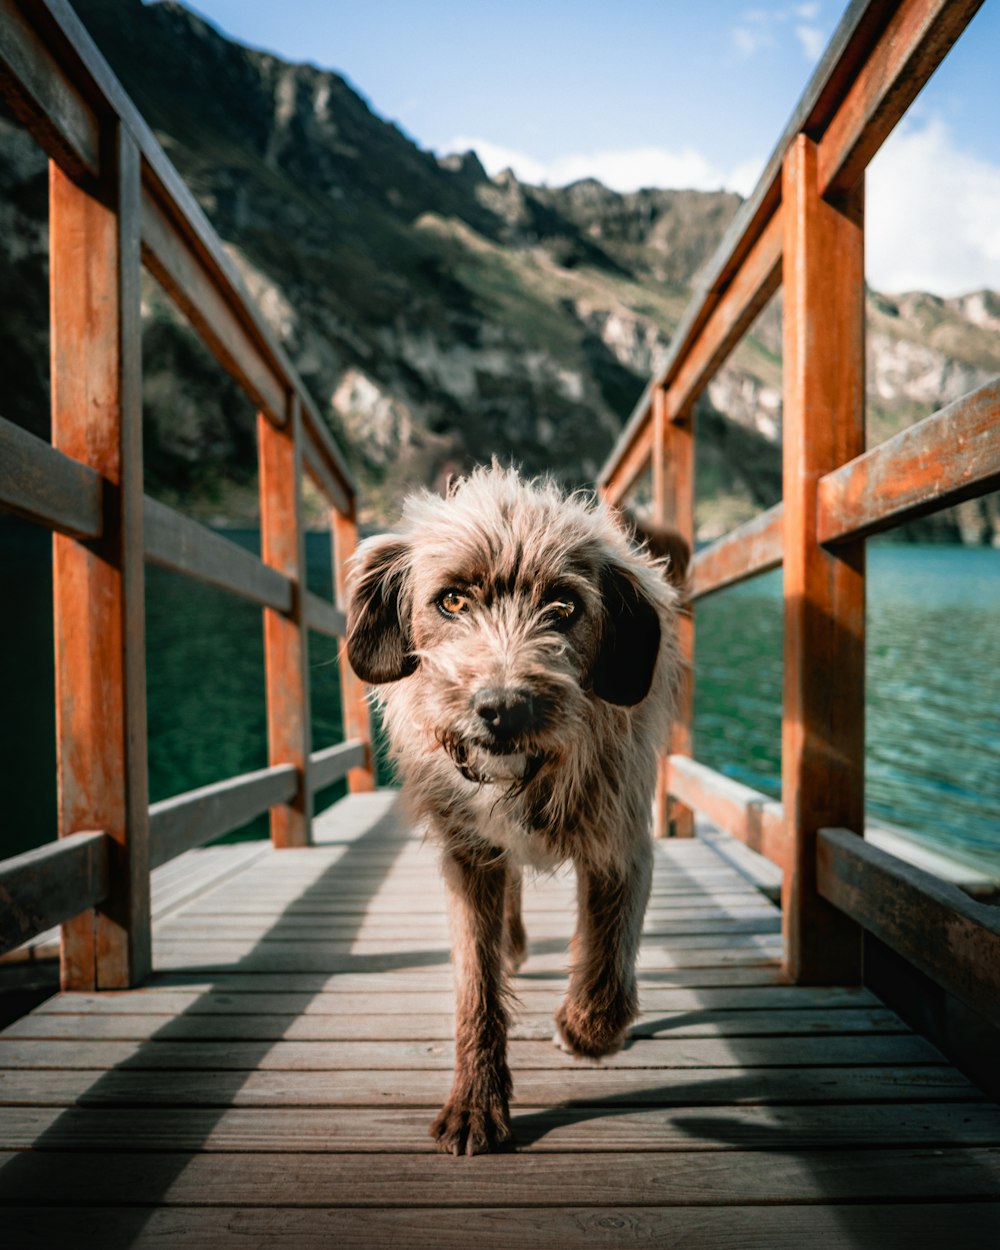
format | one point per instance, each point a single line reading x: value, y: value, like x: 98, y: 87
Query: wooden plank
x: 917, y: 1226
x: 822, y: 743
x: 753, y: 548
x: 124, y: 1026
x: 330, y: 483
x: 286, y: 637
x: 233, y: 1001
x: 303, y: 1130
x: 733, y: 313
x: 99, y: 588
x: 353, y: 693
x: 188, y: 820
x: 43, y: 97
x: 323, y: 617
x: 918, y: 36
x: 53, y: 883
x: 633, y: 459
x: 45, y: 486
x: 618, y: 1087
x: 173, y: 541
x: 744, y: 813
x: 334, y: 762
x: 755, y: 1052
x: 673, y: 1178
x: 182, y: 274
x: 936, y: 926
x: 951, y: 455
x: 673, y: 507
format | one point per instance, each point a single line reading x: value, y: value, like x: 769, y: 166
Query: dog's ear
x: 630, y: 642
x: 379, y: 639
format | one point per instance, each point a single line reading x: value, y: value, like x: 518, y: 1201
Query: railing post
x: 98, y: 587
x: 356, y: 718
x: 822, y: 744
x: 673, y: 506
x: 286, y: 656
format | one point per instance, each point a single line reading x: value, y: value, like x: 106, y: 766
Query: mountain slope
x: 438, y: 315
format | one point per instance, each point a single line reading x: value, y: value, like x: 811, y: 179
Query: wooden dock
x: 274, y: 1082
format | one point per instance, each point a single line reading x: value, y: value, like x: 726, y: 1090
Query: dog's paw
x: 590, y: 1034
x: 467, y: 1128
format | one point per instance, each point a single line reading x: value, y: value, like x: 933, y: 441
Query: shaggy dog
x: 523, y: 649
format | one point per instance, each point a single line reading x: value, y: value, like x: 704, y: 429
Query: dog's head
x: 510, y: 609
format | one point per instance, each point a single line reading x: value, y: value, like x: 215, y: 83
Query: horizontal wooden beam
x: 188, y: 820
x: 745, y: 814
x: 916, y: 38
x: 180, y: 271
x: 949, y: 456
x: 333, y: 763
x: 752, y: 548
x: 43, y: 98
x: 939, y: 929
x: 175, y: 542
x: 48, y: 487
x: 736, y: 309
x: 325, y: 617
x: 636, y: 458
x: 318, y: 464
x: 54, y: 883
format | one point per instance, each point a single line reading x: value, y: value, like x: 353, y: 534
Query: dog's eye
x: 562, y: 607
x: 453, y: 603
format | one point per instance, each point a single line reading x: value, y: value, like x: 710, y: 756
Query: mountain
x: 438, y: 315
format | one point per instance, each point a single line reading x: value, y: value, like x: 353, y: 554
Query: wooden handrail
x: 931, y: 923
x: 117, y: 202
x: 803, y: 227
x: 56, y: 882
x: 949, y: 456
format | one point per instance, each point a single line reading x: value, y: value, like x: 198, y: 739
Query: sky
x: 670, y: 93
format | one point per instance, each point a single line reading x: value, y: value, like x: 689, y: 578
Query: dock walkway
x: 274, y: 1083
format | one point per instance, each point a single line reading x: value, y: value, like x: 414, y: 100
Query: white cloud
x: 748, y: 40
x: 932, y: 217
x: 626, y: 169
x: 808, y: 12
x: 812, y: 39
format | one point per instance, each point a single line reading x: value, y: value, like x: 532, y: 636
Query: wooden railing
x: 803, y: 228
x: 115, y: 204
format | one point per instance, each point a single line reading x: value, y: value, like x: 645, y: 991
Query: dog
x: 522, y: 649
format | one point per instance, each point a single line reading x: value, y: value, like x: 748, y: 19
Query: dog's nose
x: 506, y: 712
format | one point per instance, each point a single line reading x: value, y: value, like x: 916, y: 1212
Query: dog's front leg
x: 476, y: 1117
x: 602, y: 1000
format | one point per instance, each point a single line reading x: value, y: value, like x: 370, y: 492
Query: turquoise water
x: 933, y: 687
x: 933, y: 691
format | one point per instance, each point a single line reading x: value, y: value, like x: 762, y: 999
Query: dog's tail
x: 662, y: 542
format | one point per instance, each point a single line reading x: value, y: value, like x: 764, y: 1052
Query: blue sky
x: 663, y: 93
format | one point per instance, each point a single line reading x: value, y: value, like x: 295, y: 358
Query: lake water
x: 933, y: 691
x: 933, y: 688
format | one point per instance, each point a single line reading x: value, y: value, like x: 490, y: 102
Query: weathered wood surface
x: 744, y: 813
x: 931, y: 923
x: 286, y: 635
x: 98, y: 588
x: 753, y: 548
x: 51, y: 884
x: 823, y: 426
x: 47, y: 487
x: 176, y: 542
x: 291, y: 1107
x: 191, y: 819
x: 949, y: 456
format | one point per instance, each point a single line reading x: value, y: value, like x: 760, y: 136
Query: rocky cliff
x: 438, y: 315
